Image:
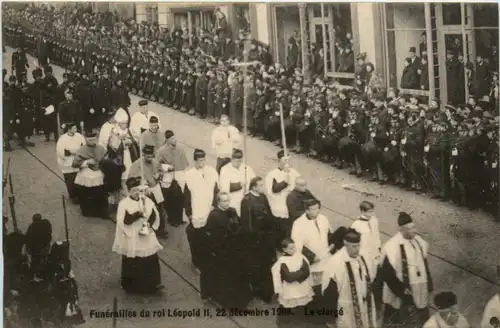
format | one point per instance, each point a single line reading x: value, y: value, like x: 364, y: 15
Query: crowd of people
x: 448, y: 152
x: 128, y: 167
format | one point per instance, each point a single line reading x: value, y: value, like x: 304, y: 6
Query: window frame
x: 385, y: 36
x: 327, y: 19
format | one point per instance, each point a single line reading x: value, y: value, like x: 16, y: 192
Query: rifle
x: 12, y: 202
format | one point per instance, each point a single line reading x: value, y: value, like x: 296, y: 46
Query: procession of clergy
x: 249, y: 236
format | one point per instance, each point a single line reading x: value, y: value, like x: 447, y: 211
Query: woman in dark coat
x: 408, y: 78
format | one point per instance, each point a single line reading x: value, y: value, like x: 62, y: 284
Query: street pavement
x: 463, y: 243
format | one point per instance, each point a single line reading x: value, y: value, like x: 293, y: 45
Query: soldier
x: 70, y: 111
x: 19, y: 64
x: 37, y: 89
x: 236, y: 101
x: 412, y: 149
x: 10, y: 101
x: 436, y: 156
x: 120, y: 97
x: 103, y: 97
x: 51, y: 96
x: 391, y: 157
x: 25, y: 115
x: 211, y: 95
x: 458, y: 161
x: 200, y: 92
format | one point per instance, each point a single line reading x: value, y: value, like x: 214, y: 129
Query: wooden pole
x: 66, y: 230
x: 283, y: 134
x: 245, y: 109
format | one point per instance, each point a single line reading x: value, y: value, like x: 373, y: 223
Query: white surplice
x: 128, y: 241
x: 313, y: 234
x: 229, y: 174
x: 370, y: 237
x: 141, y: 121
x: 336, y: 270
x: 437, y: 322
x: 105, y: 133
x: 224, y: 140
x: 291, y: 294
x: 201, y: 184
x: 417, y: 273
x: 72, y: 144
x: 277, y: 201
x: 127, y: 159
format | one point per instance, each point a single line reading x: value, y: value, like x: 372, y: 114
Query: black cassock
x: 256, y: 217
x: 227, y: 268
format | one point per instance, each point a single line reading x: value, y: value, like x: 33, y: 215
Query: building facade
x: 385, y: 32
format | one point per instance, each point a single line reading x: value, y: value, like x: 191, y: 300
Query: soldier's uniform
x: 51, y: 96
x: 20, y: 64
x: 211, y: 96
x: 200, y: 93
x: 412, y: 152
x: 437, y: 152
x: 10, y: 102
x: 103, y: 98
x: 25, y: 114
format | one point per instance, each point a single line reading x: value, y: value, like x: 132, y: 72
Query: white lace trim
x: 299, y: 301
x: 137, y: 252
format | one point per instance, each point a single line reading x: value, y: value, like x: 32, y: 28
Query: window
x: 152, y: 14
x: 287, y: 26
x: 243, y: 17
x: 330, y: 28
x: 406, y: 47
x: 180, y: 21
x: 485, y: 30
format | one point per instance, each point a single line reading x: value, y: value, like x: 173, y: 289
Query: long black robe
x: 256, y: 218
x: 227, y: 241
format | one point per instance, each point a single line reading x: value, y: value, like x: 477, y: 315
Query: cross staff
x: 244, y: 66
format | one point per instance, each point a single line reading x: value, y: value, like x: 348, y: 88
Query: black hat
x: 404, y: 218
x: 169, y: 134
x: 69, y: 125
x: 237, y: 154
x: 445, y: 300
x: 198, y: 153
x: 352, y: 236
x: 153, y: 119
x: 143, y: 102
x: 281, y: 154
x: 133, y: 182
x: 413, y: 49
x: 91, y: 133
x: 148, y: 150
x: 48, y: 69
x: 311, y: 202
